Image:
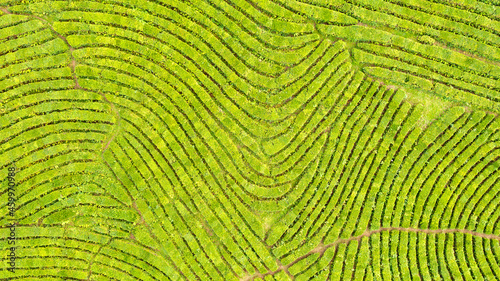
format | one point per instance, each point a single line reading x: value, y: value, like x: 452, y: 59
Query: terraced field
x: 250, y: 140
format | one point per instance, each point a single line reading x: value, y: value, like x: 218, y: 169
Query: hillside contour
x: 250, y: 140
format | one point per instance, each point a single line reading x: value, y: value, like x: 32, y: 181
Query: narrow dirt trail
x: 320, y: 249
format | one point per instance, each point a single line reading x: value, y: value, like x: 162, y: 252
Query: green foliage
x: 250, y: 140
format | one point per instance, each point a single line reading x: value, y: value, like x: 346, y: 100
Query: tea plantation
x: 250, y: 140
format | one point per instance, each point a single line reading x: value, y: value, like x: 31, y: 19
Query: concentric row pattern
x: 251, y: 140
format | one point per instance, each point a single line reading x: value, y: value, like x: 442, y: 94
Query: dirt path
x: 5, y: 10
x: 320, y: 249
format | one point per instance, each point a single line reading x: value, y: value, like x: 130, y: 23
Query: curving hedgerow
x: 250, y: 140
